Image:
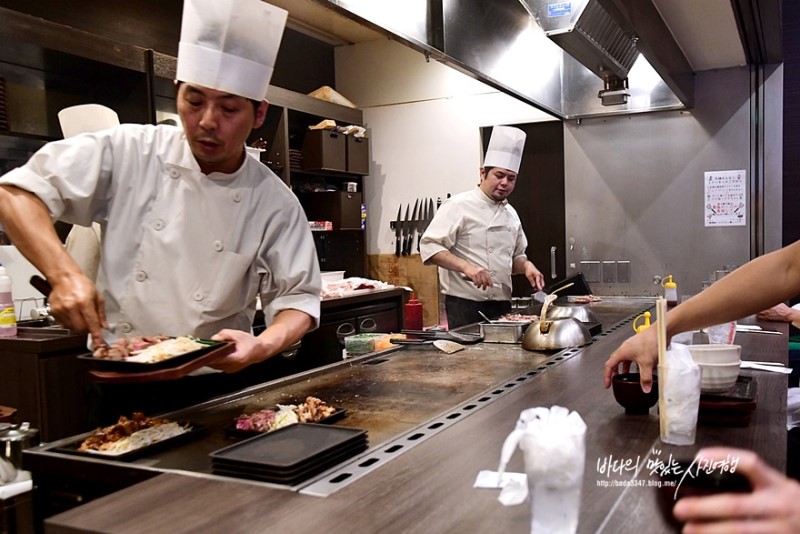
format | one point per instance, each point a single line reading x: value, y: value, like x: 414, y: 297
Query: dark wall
x: 791, y: 121
x: 303, y: 63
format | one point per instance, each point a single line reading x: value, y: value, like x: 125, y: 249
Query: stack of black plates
x: 3, y: 105
x: 291, y: 454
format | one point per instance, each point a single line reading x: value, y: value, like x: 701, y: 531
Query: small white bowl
x: 715, y: 353
x: 718, y: 377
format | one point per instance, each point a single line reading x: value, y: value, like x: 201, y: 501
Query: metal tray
x: 191, y: 432
x: 503, y: 332
x: 137, y: 367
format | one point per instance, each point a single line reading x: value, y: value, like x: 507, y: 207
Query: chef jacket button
x: 125, y: 328
x: 174, y: 173
x: 158, y: 224
x: 491, y: 250
x: 237, y: 196
x: 141, y: 276
x: 218, y: 246
x: 197, y: 296
x: 491, y: 273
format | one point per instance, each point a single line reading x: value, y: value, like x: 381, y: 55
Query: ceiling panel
x: 704, y: 29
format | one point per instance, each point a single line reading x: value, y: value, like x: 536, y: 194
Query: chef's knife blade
x: 397, y: 231
x: 422, y: 224
x: 406, y: 225
x: 412, y: 228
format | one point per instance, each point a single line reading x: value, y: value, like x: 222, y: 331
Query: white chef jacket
x: 182, y: 252
x: 482, y: 231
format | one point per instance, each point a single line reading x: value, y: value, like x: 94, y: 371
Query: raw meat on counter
x: 341, y: 288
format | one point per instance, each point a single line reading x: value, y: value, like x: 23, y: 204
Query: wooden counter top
x: 429, y: 487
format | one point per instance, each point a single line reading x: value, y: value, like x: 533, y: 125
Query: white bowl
x: 718, y: 377
x: 715, y: 353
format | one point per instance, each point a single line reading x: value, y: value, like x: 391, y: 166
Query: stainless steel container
x: 505, y: 332
x: 13, y: 441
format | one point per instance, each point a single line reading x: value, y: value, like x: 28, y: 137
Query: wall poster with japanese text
x: 726, y: 198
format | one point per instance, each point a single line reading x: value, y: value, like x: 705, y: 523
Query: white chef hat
x: 230, y: 45
x: 75, y: 120
x: 505, y: 148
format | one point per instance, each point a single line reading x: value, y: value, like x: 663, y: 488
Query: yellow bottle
x: 638, y: 328
x: 670, y: 291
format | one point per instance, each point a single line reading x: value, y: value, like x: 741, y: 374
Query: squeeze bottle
x: 412, y: 316
x: 670, y: 291
x: 8, y: 317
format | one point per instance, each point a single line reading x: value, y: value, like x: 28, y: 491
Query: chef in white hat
x: 193, y: 230
x: 476, y: 238
x: 83, y: 242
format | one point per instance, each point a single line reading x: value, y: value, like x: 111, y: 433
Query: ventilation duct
x: 585, y: 30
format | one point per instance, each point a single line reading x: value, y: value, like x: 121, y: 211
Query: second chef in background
x: 193, y: 229
x: 476, y: 238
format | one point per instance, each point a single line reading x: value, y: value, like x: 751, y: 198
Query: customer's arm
x: 757, y: 285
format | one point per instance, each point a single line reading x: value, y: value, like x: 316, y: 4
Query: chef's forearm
x: 759, y: 284
x: 287, y: 328
x: 27, y: 222
x: 518, y: 267
x: 451, y: 262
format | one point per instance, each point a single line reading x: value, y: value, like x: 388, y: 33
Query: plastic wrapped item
x: 679, y: 380
x: 554, y: 443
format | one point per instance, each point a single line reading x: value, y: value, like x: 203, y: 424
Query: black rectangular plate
x: 292, y: 479
x: 337, y: 455
x: 290, y: 446
x: 332, y: 418
x: 193, y: 431
x: 137, y: 367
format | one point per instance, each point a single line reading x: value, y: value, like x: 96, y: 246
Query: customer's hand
x: 641, y: 349
x: 779, y: 312
x: 773, y: 506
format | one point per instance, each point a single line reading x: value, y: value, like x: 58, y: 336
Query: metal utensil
x: 484, y: 317
x: 412, y: 229
x: 760, y: 367
x: 406, y: 228
x: 398, y: 228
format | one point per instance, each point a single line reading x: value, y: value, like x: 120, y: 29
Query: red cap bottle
x: 412, y: 316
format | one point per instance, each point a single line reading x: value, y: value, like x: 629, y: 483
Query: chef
x: 476, y: 238
x: 193, y: 230
x: 83, y: 242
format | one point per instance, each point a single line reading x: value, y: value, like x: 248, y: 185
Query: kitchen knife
x: 405, y: 230
x: 422, y: 224
x: 412, y: 228
x: 397, y: 230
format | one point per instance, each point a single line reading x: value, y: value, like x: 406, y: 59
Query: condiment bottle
x: 8, y: 317
x: 412, y: 316
x: 670, y: 291
x: 644, y: 326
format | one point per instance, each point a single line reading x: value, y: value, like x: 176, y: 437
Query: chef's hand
x: 479, y: 276
x: 534, y: 276
x: 772, y: 506
x: 77, y: 305
x: 642, y: 349
x: 288, y: 327
x: 249, y: 350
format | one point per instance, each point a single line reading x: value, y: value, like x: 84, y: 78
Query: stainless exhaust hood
x: 556, y: 69
x: 586, y: 31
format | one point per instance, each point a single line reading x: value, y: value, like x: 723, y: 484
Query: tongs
x: 445, y: 334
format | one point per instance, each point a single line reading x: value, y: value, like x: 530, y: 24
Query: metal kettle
x: 13, y: 440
